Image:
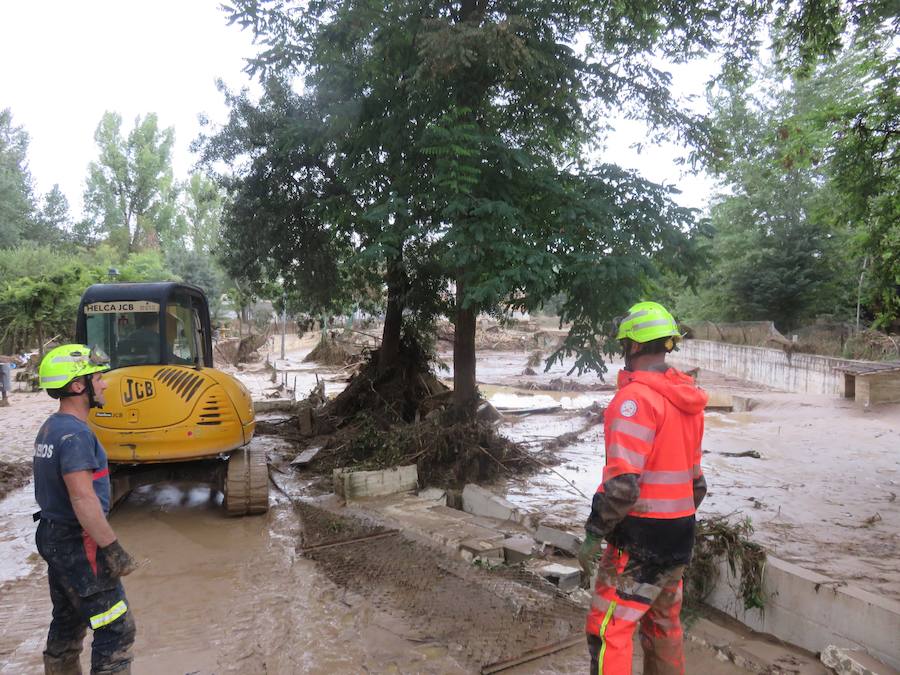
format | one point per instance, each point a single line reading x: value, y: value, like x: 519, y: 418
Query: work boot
x: 65, y: 665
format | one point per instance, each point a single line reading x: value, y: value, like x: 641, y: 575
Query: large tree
x: 130, y: 195
x: 445, y: 142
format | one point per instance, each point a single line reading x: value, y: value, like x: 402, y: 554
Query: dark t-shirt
x: 64, y: 445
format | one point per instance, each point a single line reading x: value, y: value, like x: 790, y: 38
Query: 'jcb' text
x: 135, y: 391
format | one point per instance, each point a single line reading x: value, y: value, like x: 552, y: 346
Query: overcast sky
x: 66, y: 62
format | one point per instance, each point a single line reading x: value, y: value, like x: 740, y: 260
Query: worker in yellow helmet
x: 644, y: 507
x: 71, y: 485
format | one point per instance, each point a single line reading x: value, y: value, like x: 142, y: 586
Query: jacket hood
x: 677, y: 387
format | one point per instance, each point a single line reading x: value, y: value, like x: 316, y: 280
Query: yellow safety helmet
x: 68, y: 362
x: 646, y: 322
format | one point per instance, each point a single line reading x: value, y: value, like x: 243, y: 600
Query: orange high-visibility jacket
x: 654, y: 427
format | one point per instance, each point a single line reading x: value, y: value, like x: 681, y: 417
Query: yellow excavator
x: 169, y: 415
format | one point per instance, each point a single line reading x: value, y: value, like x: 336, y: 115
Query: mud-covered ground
x: 825, y: 492
x: 222, y: 595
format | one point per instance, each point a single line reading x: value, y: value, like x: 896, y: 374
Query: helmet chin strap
x: 89, y: 387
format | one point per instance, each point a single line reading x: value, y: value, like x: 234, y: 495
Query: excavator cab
x: 169, y: 415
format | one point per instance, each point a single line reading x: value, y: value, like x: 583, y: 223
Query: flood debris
x: 871, y: 520
x: 718, y: 539
x: 747, y: 453
x: 563, y: 384
x: 401, y: 415
x: 535, y: 358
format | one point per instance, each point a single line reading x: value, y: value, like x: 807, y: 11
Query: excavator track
x: 247, y: 482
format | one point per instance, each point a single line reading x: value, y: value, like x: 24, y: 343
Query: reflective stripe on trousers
x: 621, y: 603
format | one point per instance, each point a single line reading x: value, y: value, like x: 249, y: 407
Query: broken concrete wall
x: 812, y: 611
x: 875, y: 388
x: 802, y: 373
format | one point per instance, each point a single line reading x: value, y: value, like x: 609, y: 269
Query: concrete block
x: 434, y: 494
x: 517, y: 549
x: 480, y: 502
x: 812, y: 611
x: 273, y: 405
x: 853, y: 662
x: 306, y: 457
x: 564, y: 541
x: 358, y: 484
x: 487, y: 549
x: 567, y: 578
x: 305, y: 421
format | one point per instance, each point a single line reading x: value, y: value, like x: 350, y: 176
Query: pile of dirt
x: 13, y: 475
x: 329, y: 352
x: 718, y: 539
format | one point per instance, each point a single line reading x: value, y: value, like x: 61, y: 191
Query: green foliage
x: 146, y: 266
x: 201, y: 213
x: 51, y: 222
x: 16, y: 199
x: 130, y: 194
x: 811, y: 169
x: 36, y: 308
x: 198, y: 268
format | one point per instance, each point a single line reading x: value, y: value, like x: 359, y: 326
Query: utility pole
x: 283, y: 322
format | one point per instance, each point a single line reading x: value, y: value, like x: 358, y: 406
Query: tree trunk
x: 389, y: 352
x: 39, y: 331
x: 465, y: 391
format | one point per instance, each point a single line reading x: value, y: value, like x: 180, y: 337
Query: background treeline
x: 807, y: 221
x: 139, y: 222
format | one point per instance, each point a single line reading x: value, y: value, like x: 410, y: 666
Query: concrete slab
x: 447, y: 512
x: 360, y: 484
x: 306, y: 457
x: 481, y: 502
x: 567, y: 578
x: 561, y: 539
x: 434, y: 494
x: 488, y: 549
x: 853, y: 662
x: 273, y: 405
x: 518, y: 549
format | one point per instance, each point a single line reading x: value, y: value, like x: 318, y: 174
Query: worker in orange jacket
x: 644, y: 508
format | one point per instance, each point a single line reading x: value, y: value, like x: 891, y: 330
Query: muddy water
x: 221, y: 595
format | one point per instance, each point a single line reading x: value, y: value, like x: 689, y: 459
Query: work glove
x: 117, y: 561
x: 587, y: 556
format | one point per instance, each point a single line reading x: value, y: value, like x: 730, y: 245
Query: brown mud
x: 220, y: 595
x: 13, y: 475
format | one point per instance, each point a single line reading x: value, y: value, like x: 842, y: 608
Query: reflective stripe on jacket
x: 654, y: 428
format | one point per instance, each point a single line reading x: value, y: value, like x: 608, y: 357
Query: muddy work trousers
x: 84, y: 595
x: 629, y: 594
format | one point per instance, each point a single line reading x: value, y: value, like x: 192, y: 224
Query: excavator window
x: 140, y: 332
